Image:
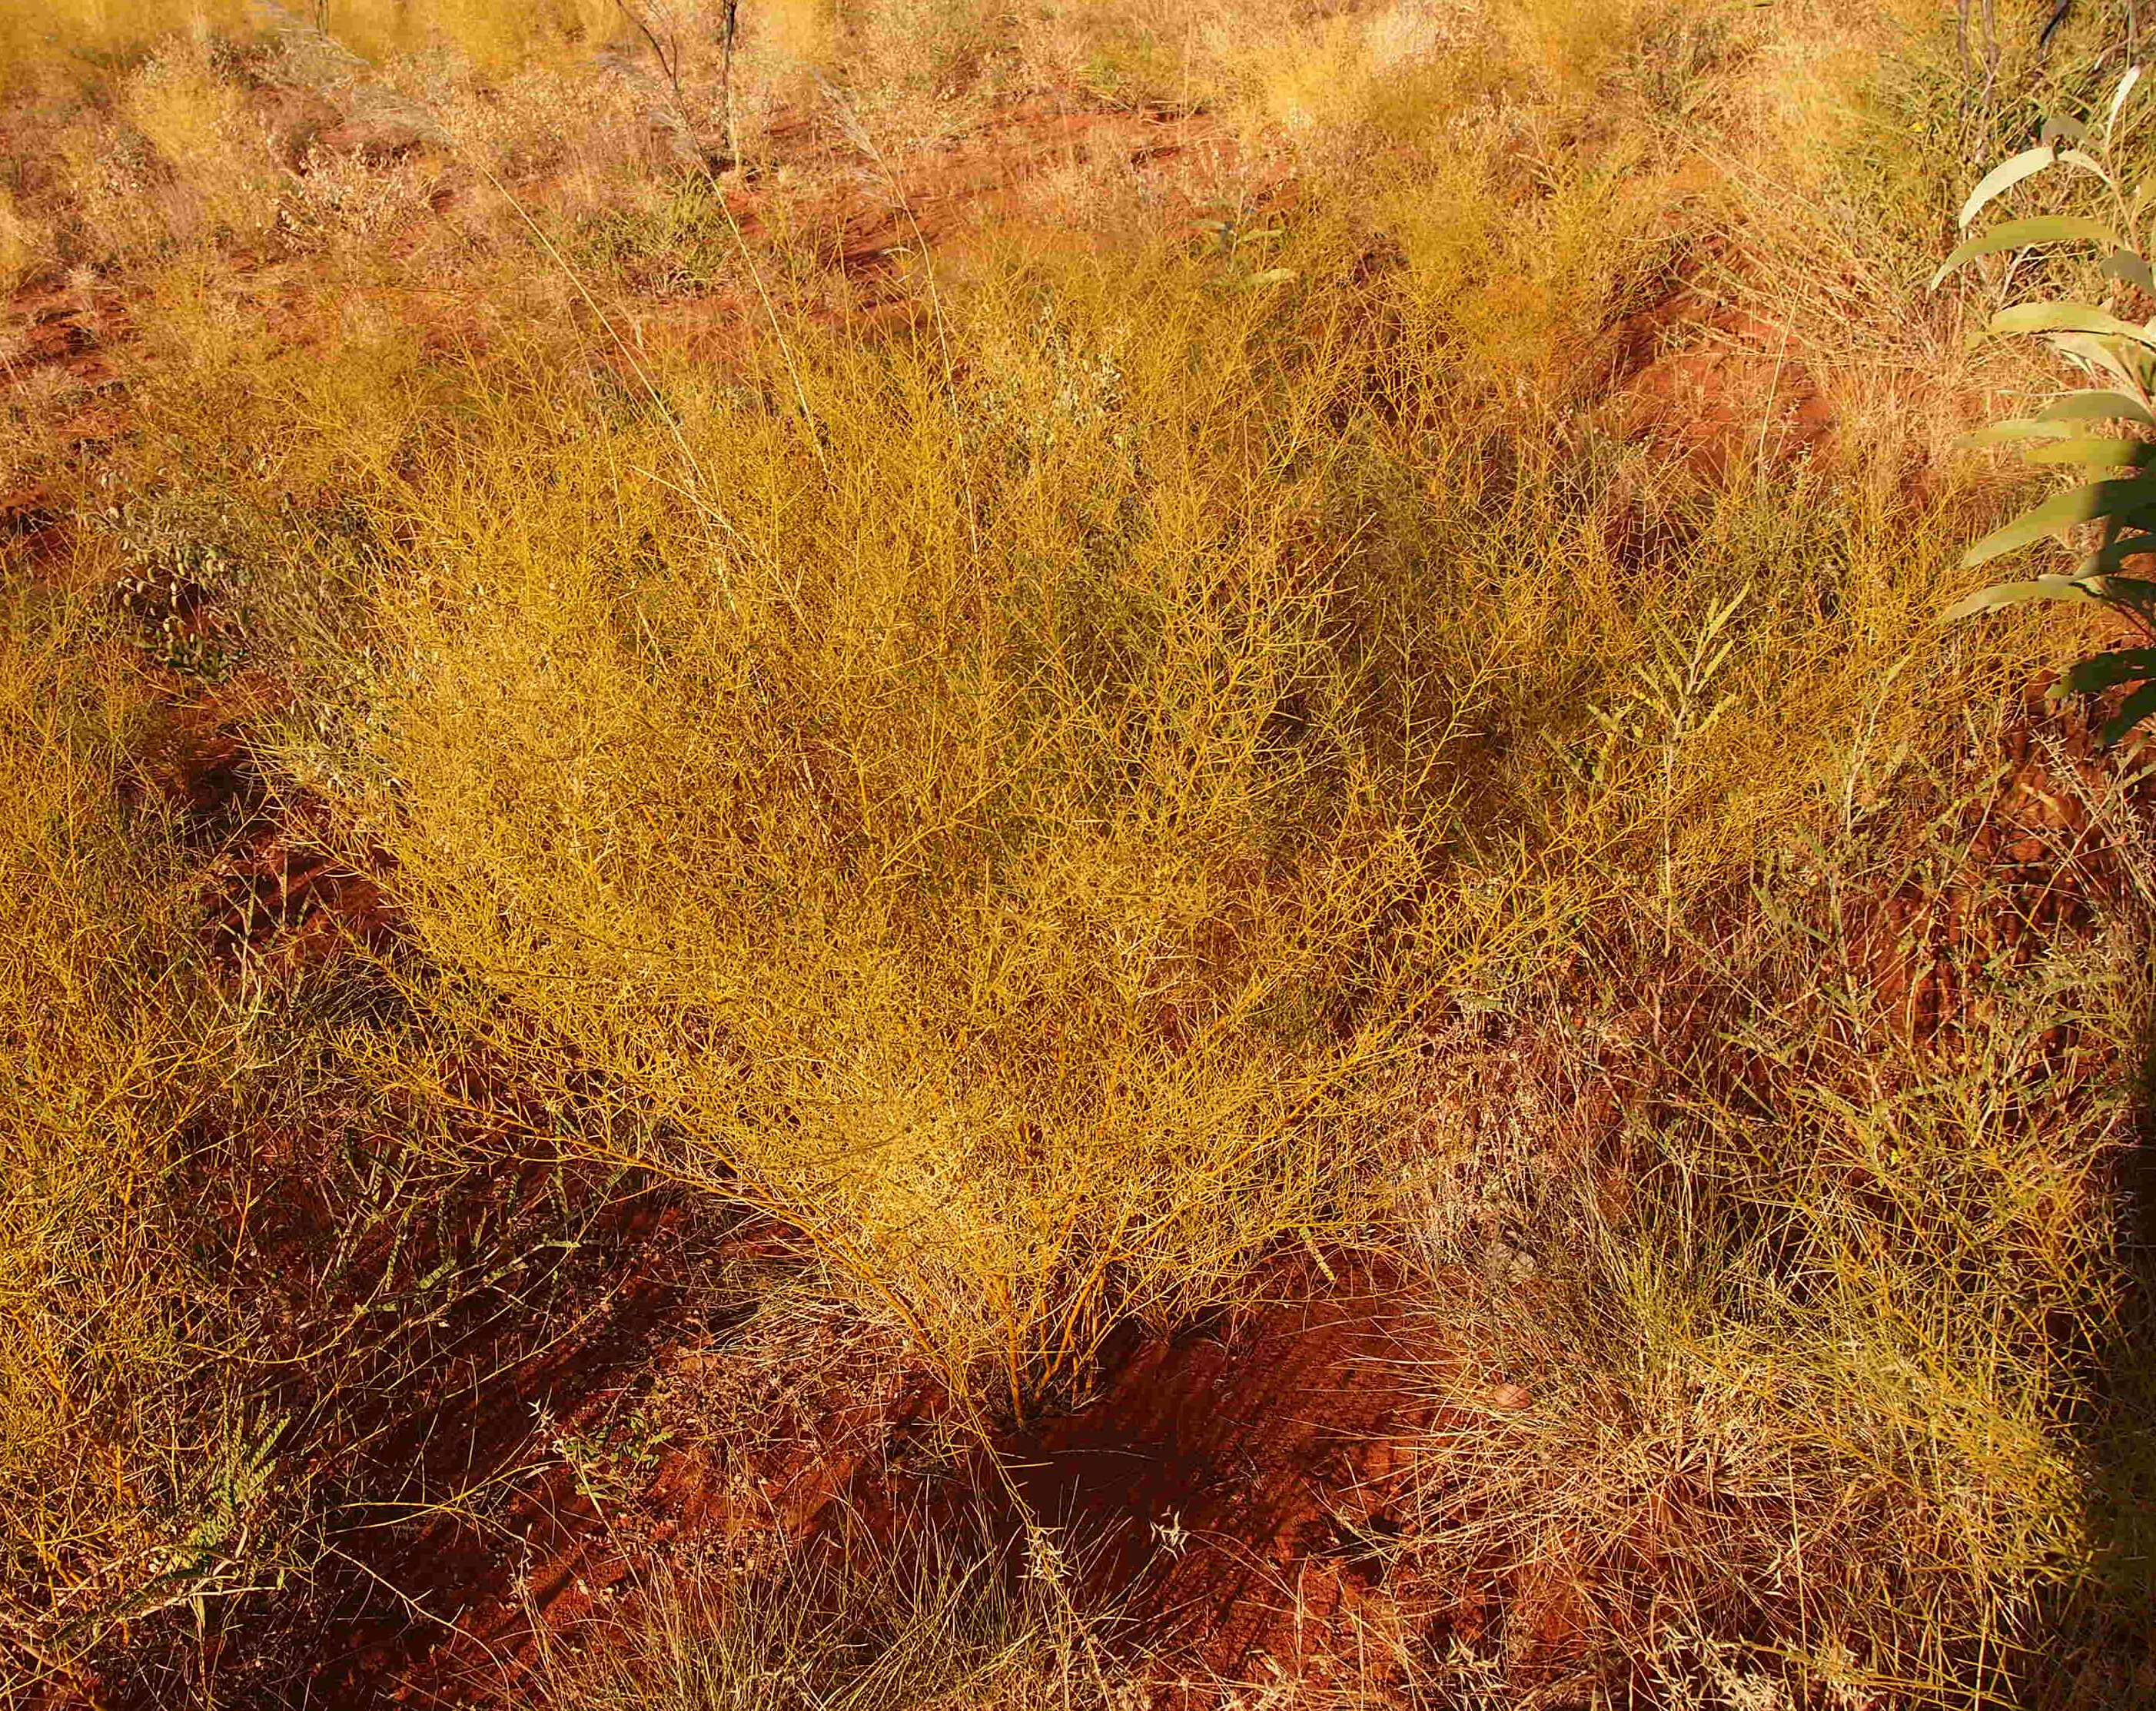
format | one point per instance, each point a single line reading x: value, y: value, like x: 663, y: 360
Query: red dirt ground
x: 2057, y: 833
x: 1715, y: 387
x: 1230, y: 1487
x: 1232, y: 1481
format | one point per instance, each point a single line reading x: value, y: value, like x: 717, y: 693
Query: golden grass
x: 1838, y: 1295
x: 977, y: 917
x: 103, y: 1317
x: 1009, y: 796
x: 84, y: 35
x: 22, y: 242
x: 855, y: 1628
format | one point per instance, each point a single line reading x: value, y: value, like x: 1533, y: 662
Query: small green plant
x: 221, y: 1554
x: 2119, y: 355
x: 1233, y: 232
x: 614, y: 1465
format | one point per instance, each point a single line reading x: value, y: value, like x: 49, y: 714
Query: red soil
x: 1232, y: 1483
x: 1716, y: 389
x: 1230, y: 1487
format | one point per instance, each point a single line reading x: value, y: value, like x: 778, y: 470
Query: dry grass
x: 1011, y: 796
x: 1801, y: 1400
x: 111, y: 1053
x: 1015, y: 1130
x: 947, y: 1627
x: 22, y: 242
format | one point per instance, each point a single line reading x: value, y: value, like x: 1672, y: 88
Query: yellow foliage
x: 97, y: 1305
x: 1510, y: 297
x: 799, y: 32
x: 982, y: 903
x: 24, y: 242
x: 1011, y: 798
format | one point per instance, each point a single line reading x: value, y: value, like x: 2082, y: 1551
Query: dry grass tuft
x: 1743, y: 1442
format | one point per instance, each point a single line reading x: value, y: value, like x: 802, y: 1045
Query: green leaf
x: 2004, y: 178
x: 2136, y: 708
x: 2129, y: 499
x: 2086, y: 163
x: 2064, y: 317
x: 2020, y: 234
x: 2006, y: 433
x: 2094, y: 451
x: 2003, y: 594
x: 2113, y: 554
x: 2095, y: 353
x: 2092, y: 676
x: 2097, y: 406
x: 2126, y: 264
x: 2130, y: 594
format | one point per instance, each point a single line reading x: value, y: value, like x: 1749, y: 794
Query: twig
x: 1767, y: 417
x: 16, y: 1634
x: 671, y: 66
x: 2060, y: 13
x: 730, y: 24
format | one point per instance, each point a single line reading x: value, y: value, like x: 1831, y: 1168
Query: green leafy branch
x: 2119, y: 357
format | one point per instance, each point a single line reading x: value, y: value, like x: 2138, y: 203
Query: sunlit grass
x: 102, y: 1316
x: 1012, y: 797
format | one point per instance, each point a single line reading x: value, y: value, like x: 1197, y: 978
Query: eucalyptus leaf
x: 2128, y: 265
x: 2092, y: 676
x: 2007, y: 433
x: 2002, y: 177
x: 2003, y: 595
x: 2136, y: 708
x: 2133, y: 594
x: 2103, y: 344
x: 2065, y: 317
x: 2096, y: 406
x: 2095, y: 353
x: 2114, y: 554
x: 2020, y: 234
x: 2086, y: 163
x: 2095, y: 451
x: 2130, y: 500
x: 2118, y: 99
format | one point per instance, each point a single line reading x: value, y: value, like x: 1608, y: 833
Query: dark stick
x: 2059, y: 16
x: 730, y: 23
x: 666, y: 64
